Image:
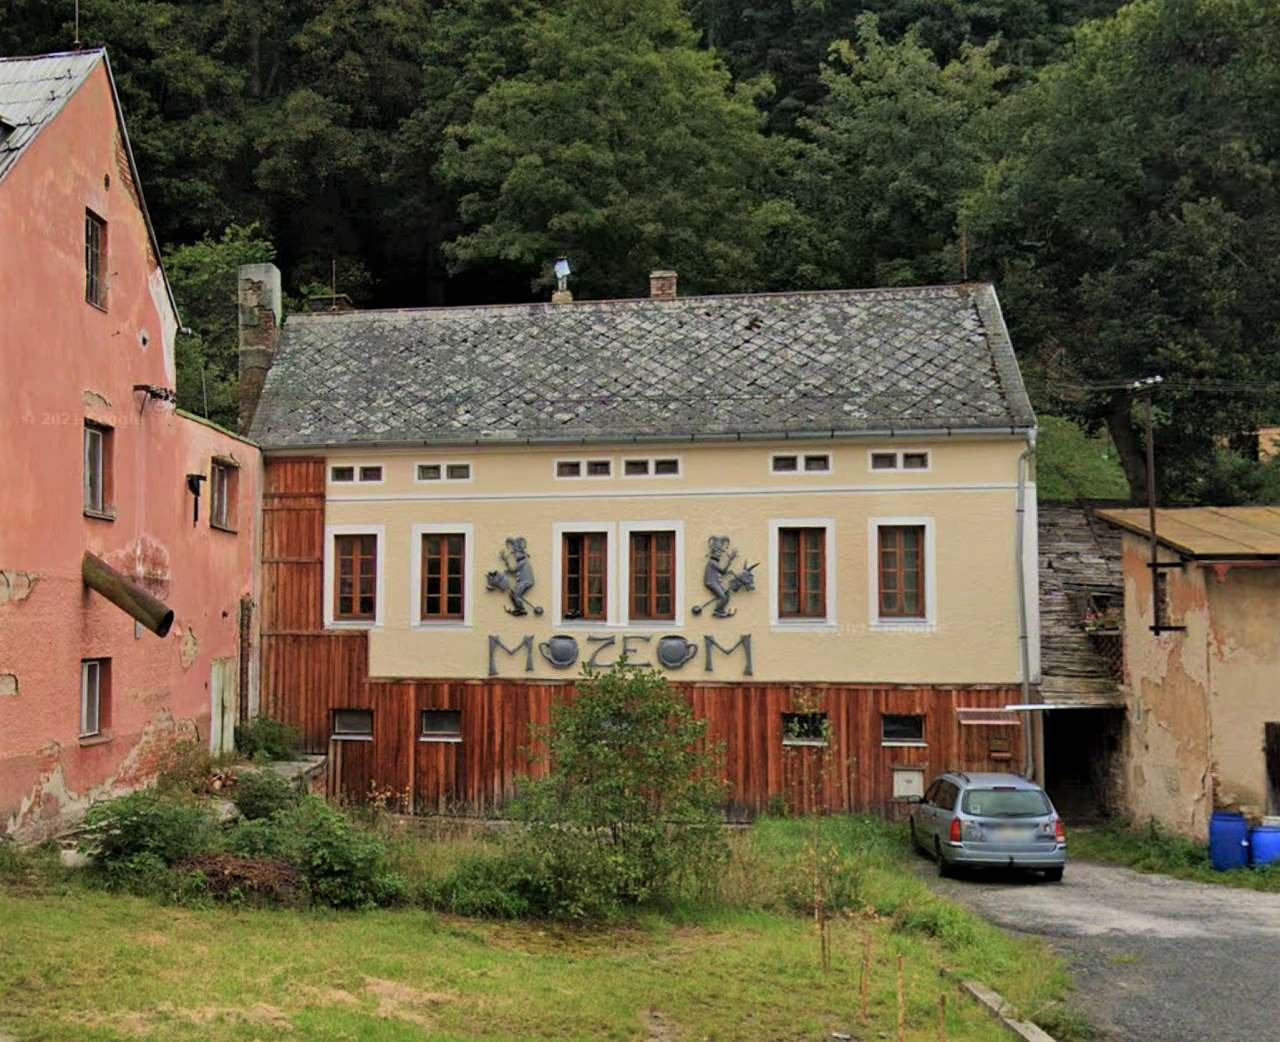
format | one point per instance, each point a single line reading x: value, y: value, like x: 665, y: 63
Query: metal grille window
x: 222, y: 507
x: 653, y: 566
x: 585, y: 578
x: 902, y: 572
x: 94, y: 696
x: 443, y: 576
x: 95, y: 259
x: 355, y: 591
x: 97, y: 462
x: 802, y: 573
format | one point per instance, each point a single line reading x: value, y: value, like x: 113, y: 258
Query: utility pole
x: 1146, y: 387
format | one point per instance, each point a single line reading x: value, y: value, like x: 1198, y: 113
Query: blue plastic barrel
x: 1264, y: 844
x: 1228, y: 840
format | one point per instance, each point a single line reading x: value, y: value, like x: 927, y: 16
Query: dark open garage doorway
x: 1081, y: 769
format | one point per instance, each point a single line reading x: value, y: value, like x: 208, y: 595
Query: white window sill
x: 904, y: 626
x: 804, y: 626
x: 811, y: 743
x: 439, y: 740
x: 351, y: 738
x: 442, y: 624
x: 904, y: 745
x: 355, y: 624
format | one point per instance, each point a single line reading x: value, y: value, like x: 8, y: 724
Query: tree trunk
x: 1132, y: 452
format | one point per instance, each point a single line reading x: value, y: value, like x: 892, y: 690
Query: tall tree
x: 623, y: 146
x: 1134, y: 222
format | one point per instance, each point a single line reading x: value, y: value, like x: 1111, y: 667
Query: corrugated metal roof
x: 769, y: 364
x: 1218, y: 532
x: 33, y: 91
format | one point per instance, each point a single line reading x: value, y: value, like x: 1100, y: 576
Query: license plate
x: 1008, y: 835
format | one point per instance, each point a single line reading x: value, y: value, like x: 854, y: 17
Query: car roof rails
x: 961, y: 774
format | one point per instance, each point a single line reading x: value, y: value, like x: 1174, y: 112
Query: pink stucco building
x: 94, y: 457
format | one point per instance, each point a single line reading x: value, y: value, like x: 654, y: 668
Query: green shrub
x: 498, y: 886
x: 185, y: 768
x: 343, y: 866
x: 630, y: 811
x: 262, y: 793
x: 264, y: 738
x: 135, y: 835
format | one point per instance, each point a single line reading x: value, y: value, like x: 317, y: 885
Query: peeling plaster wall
x: 65, y: 361
x: 1244, y: 668
x: 1167, y: 743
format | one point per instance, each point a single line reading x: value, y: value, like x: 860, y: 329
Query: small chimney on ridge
x: 662, y: 285
x: 258, y: 292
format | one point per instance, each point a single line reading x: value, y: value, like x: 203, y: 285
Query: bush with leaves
x: 631, y: 809
x: 262, y: 793
x: 134, y: 840
x: 264, y: 738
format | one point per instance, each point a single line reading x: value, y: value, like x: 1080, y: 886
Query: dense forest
x: 1114, y: 169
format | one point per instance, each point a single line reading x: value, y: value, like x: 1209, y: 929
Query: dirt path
x: 1155, y: 959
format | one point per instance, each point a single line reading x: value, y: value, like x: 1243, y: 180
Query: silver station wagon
x: 989, y: 821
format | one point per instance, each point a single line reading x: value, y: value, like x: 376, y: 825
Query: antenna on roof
x: 333, y: 282
x: 77, y: 43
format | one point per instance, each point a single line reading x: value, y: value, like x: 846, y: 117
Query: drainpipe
x: 1024, y: 639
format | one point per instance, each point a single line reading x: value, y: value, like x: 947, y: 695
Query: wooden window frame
x: 444, y: 737
x: 442, y: 599
x: 100, y: 669
x: 95, y: 260
x: 922, y: 585
x: 805, y: 536
x: 105, y: 509
x: 335, y: 599
x: 796, y: 739
x: 649, y: 612
x: 603, y: 557
x: 223, y: 519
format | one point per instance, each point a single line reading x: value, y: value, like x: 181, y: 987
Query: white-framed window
x: 902, y: 729
x: 224, y: 482
x: 354, y: 575
x: 95, y: 696
x: 651, y: 467
x: 802, y: 570
x: 902, y: 570
x: 356, y: 473
x: 440, y: 725
x: 590, y: 467
x: 352, y: 725
x: 651, y: 573
x: 430, y: 472
x: 893, y: 460
x: 98, y: 441
x: 584, y: 569
x: 796, y: 463
x: 442, y: 575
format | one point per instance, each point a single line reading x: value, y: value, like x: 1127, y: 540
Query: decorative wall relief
x: 744, y: 642
x: 675, y: 652
x: 560, y: 651
x: 720, y: 578
x: 496, y: 645
x: 516, y: 578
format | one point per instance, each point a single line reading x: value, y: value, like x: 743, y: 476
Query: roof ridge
x: 546, y: 306
x: 84, y: 51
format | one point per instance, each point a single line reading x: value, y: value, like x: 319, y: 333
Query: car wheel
x: 944, y: 869
x: 1053, y: 875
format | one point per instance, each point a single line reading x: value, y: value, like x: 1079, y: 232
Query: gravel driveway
x: 1154, y: 959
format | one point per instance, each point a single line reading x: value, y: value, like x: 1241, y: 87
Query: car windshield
x: 1006, y: 803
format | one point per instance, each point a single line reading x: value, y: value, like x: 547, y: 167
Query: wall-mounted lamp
x: 194, y: 482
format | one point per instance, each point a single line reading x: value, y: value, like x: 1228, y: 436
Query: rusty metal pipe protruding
x: 126, y: 595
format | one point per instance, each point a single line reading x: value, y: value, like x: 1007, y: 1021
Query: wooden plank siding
x: 308, y: 672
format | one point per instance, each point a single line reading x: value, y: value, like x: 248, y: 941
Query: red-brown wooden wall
x: 307, y: 672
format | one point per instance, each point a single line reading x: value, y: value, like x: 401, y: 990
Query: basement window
x: 352, y: 725
x: 441, y: 725
x: 901, y: 729
x: 804, y: 729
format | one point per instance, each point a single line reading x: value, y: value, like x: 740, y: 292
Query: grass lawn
x: 80, y: 963
x: 1149, y: 850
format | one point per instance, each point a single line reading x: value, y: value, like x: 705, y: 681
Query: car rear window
x: 1005, y: 803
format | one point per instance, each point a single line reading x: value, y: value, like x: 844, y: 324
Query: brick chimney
x: 662, y: 285
x: 259, y: 301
